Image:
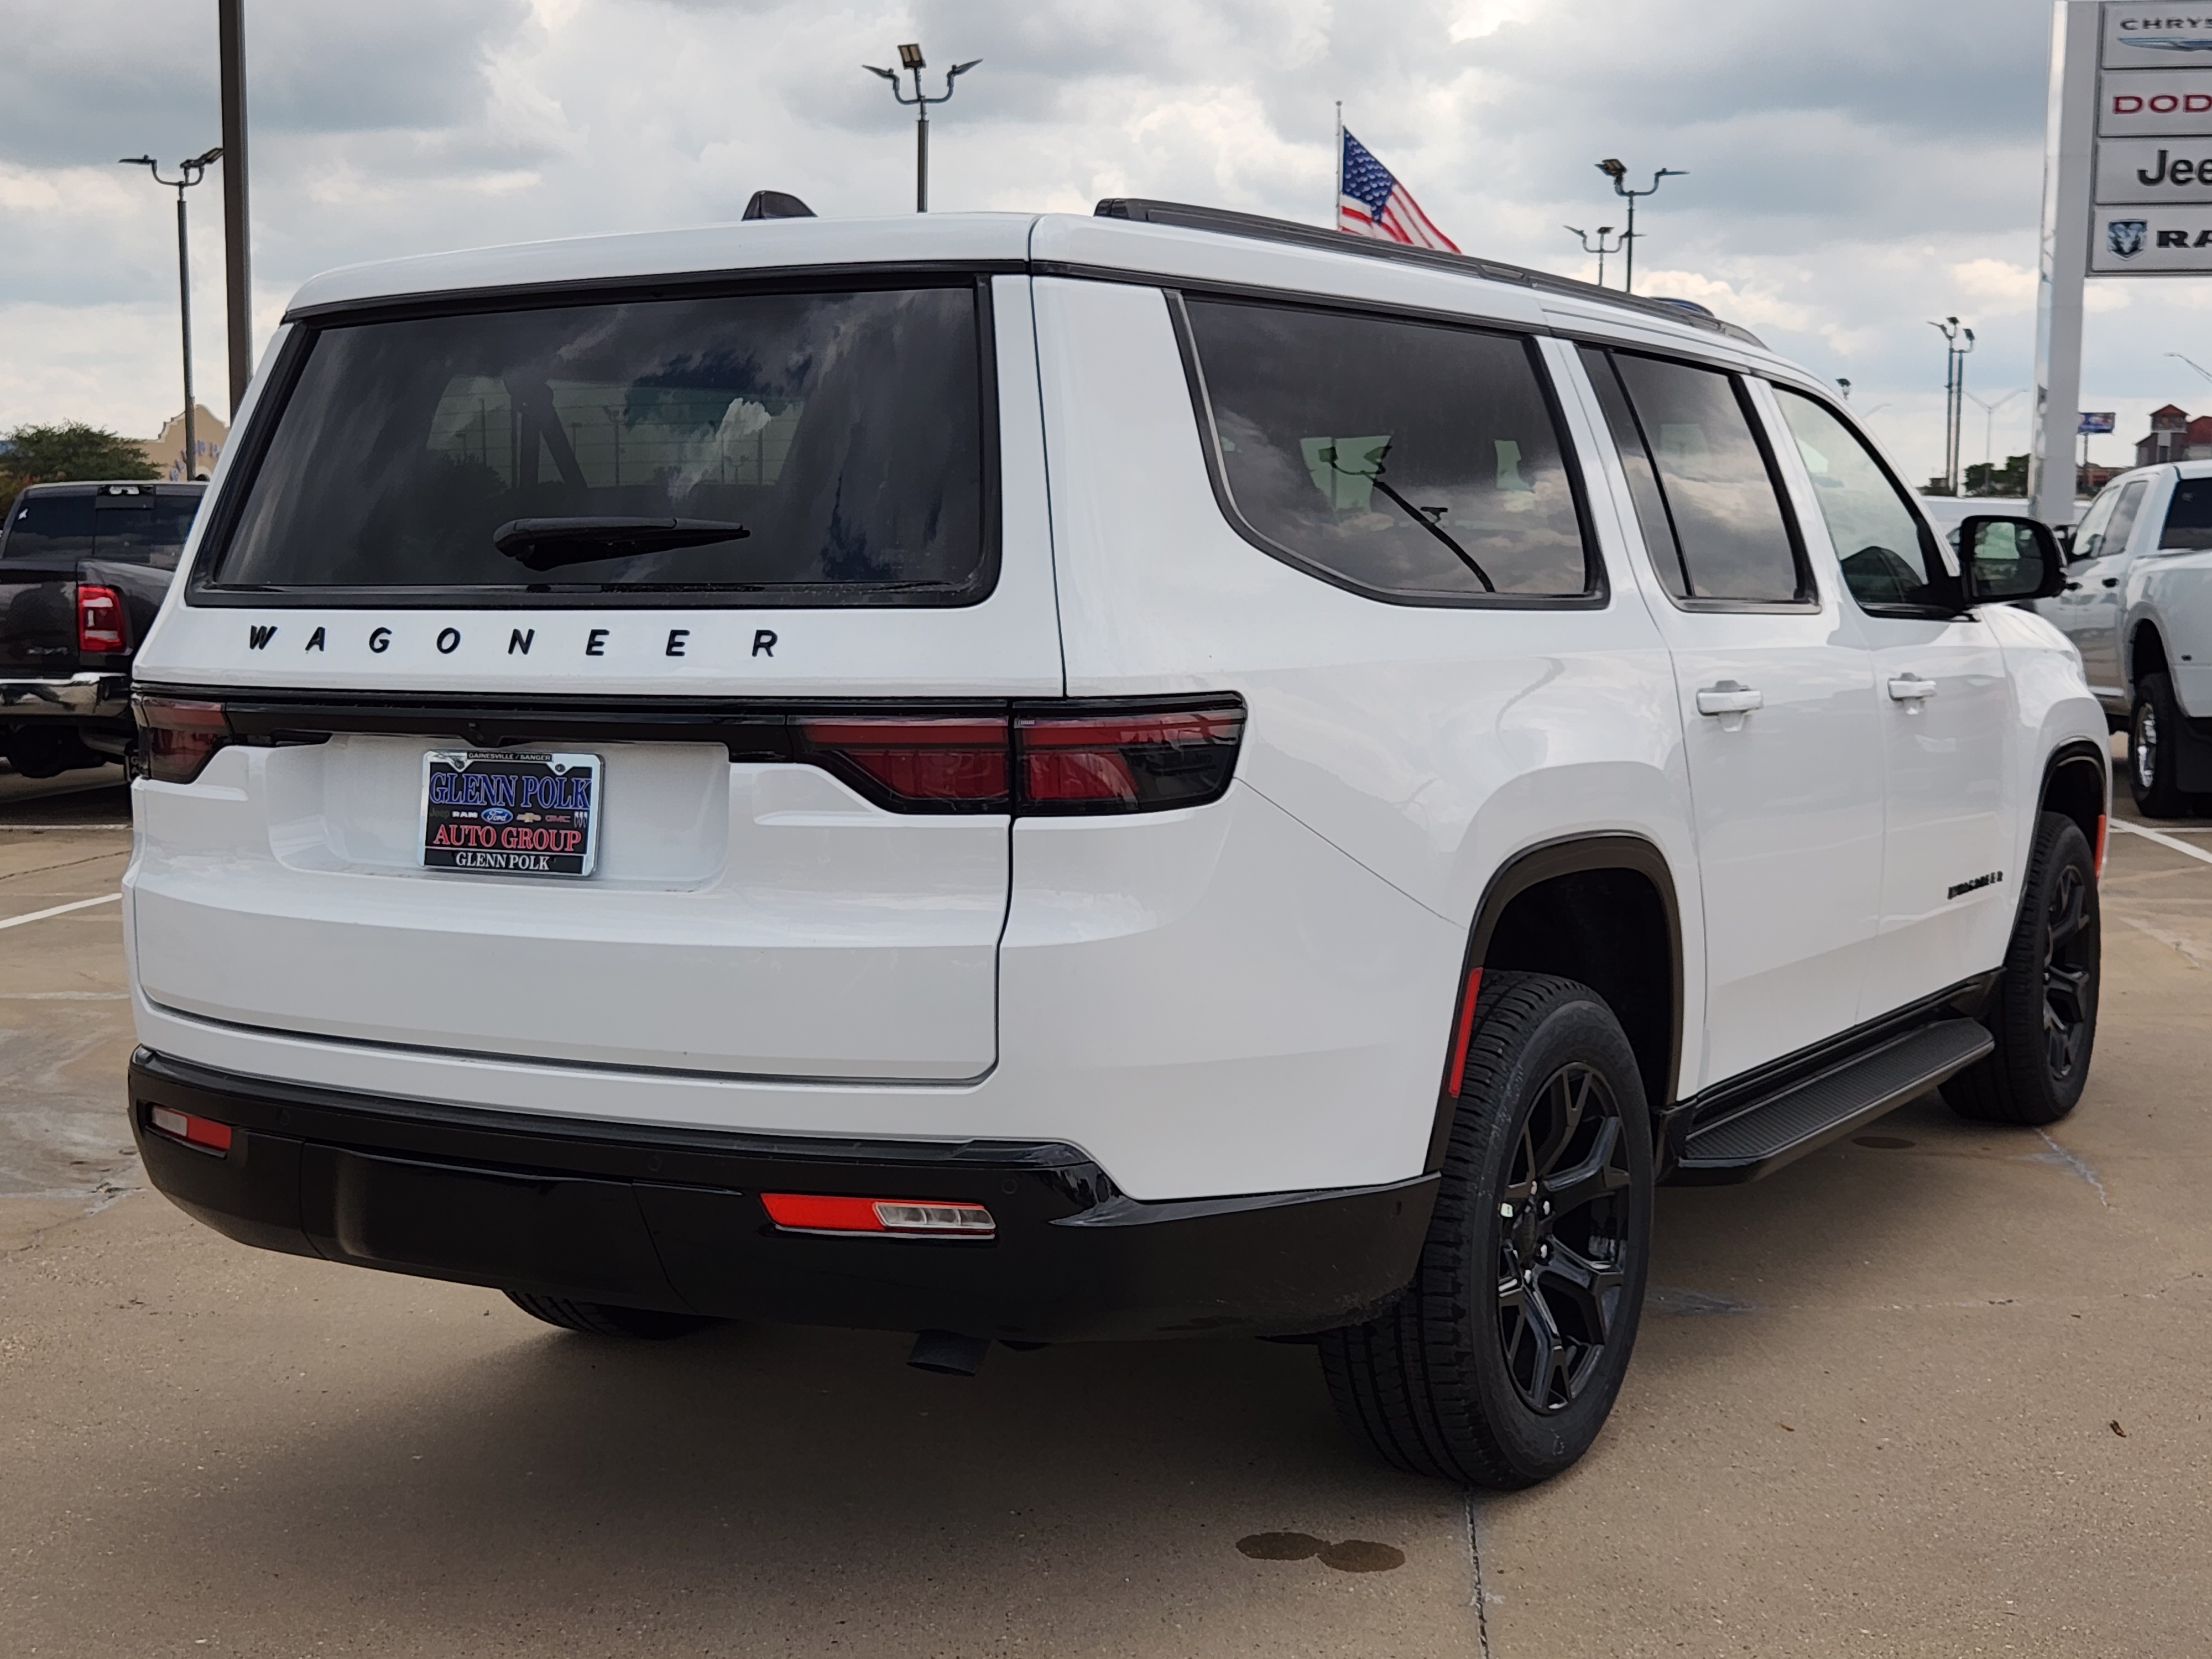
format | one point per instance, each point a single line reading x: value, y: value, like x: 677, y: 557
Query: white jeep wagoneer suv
x: 1044, y: 778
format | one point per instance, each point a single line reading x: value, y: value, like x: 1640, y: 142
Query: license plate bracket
x: 508, y: 812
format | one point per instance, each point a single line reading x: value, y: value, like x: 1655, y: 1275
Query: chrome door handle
x: 1729, y: 698
x: 1911, y: 687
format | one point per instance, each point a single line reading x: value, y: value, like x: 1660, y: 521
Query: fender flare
x: 1531, y: 867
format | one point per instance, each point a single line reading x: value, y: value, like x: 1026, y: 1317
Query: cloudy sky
x: 1855, y: 167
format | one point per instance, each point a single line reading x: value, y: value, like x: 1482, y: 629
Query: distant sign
x: 2151, y: 185
x: 2096, y: 420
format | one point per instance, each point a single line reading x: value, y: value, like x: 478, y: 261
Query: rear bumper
x: 76, y: 696
x: 671, y: 1218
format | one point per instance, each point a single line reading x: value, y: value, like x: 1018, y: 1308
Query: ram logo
x: 2126, y: 237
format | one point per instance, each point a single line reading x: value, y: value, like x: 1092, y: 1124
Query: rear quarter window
x: 815, y: 448
x: 1409, y: 460
x: 2189, y: 515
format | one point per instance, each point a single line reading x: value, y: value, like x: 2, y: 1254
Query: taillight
x: 915, y: 763
x: 1126, y: 760
x: 177, y: 736
x: 99, y: 618
x: 1041, y: 759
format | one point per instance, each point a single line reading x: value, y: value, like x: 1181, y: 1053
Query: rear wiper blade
x: 549, y: 543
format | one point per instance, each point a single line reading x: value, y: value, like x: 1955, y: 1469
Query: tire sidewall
x: 1578, y: 1029
x: 2060, y: 843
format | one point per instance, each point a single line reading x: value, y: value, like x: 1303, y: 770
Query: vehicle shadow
x: 788, y: 1490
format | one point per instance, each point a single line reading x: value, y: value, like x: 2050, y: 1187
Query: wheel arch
x: 2077, y: 782
x: 1600, y: 909
x: 2146, y: 652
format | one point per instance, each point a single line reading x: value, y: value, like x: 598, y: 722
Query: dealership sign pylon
x: 2127, y: 190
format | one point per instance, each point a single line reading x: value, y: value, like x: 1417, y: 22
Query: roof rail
x: 1263, y: 228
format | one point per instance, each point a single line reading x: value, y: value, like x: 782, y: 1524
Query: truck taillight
x: 1056, y: 759
x: 99, y: 618
x: 1132, y: 759
x: 177, y: 736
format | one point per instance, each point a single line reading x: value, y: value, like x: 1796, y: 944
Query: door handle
x: 1729, y: 698
x: 2112, y: 581
x: 1911, y: 687
x: 2073, y: 587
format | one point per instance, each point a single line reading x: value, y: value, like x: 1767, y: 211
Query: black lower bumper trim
x: 671, y: 1218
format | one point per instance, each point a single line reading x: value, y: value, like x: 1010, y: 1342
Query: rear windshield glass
x: 127, y: 524
x: 808, y: 448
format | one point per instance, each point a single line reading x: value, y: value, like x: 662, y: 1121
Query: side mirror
x: 2005, y: 559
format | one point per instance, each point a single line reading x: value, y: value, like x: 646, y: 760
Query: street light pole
x: 188, y: 173
x: 910, y: 60
x: 1955, y: 386
x: 1988, y: 423
x: 1618, y: 172
x: 1600, y: 250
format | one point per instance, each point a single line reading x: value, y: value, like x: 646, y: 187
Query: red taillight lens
x: 177, y: 735
x: 818, y: 1213
x: 1134, y: 760
x: 190, y: 1127
x: 99, y: 618
x: 955, y: 764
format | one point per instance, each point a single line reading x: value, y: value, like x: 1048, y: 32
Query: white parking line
x: 2148, y: 834
x: 110, y: 898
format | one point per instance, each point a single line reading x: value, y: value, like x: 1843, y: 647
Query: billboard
x: 2150, y: 188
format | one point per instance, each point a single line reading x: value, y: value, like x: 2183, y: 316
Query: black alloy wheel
x: 1499, y: 1364
x: 1562, y: 1238
x: 2044, y: 1019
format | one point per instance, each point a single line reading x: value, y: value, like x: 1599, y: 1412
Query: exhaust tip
x: 948, y: 1353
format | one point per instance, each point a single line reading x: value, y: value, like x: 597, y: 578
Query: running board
x: 1807, y: 1115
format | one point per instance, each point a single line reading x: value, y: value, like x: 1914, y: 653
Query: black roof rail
x: 1263, y: 228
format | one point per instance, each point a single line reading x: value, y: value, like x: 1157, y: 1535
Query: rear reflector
x: 99, y: 618
x: 177, y: 736
x: 816, y: 1212
x: 192, y: 1130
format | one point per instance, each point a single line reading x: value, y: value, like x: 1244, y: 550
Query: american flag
x: 1371, y: 202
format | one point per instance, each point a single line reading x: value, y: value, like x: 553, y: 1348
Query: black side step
x: 1807, y: 1115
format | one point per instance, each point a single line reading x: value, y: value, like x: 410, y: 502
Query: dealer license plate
x: 498, y: 812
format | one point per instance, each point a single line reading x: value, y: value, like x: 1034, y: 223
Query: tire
x: 2151, y: 770
x: 1469, y: 1376
x: 2045, y: 1018
x: 608, y: 1318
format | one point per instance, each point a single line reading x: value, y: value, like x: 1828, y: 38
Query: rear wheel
x: 2046, y: 1020
x: 2151, y: 728
x: 607, y: 1318
x: 1499, y: 1364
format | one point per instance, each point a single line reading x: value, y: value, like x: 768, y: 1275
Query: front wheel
x: 2046, y: 1018
x: 1500, y: 1362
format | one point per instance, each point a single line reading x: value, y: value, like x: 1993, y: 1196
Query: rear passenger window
x: 1409, y: 460
x: 2189, y: 517
x: 1705, y: 495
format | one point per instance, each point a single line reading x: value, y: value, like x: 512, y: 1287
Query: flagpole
x: 1336, y: 202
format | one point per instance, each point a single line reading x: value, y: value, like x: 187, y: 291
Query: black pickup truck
x: 82, y: 570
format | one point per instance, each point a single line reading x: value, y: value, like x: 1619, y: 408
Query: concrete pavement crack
x: 1480, y: 1597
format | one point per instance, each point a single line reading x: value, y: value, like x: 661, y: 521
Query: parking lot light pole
x: 910, y: 61
x: 1955, y: 386
x: 1617, y: 172
x: 1988, y: 424
x: 189, y: 174
x: 1600, y: 250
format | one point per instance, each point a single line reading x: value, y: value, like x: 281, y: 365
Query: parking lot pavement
x: 1938, y: 1390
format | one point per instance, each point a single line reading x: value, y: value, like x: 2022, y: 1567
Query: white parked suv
x: 2138, y: 603
x: 1031, y: 778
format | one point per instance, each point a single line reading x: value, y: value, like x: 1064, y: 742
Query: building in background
x: 167, y: 451
x: 2174, y: 437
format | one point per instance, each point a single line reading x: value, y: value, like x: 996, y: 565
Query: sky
x: 1855, y: 168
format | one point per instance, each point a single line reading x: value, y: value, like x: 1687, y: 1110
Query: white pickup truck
x: 2138, y: 607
